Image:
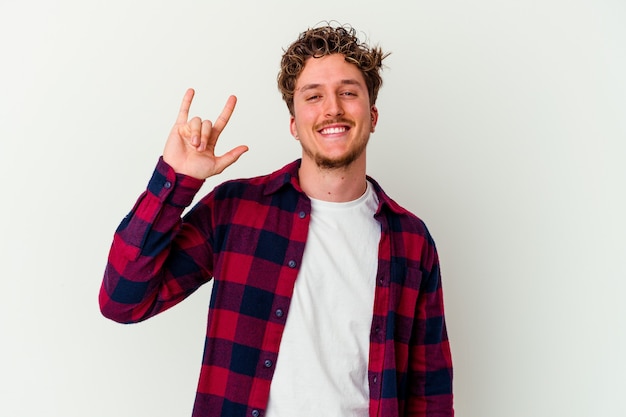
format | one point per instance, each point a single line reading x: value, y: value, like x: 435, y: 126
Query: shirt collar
x: 286, y: 175
x: 289, y: 175
x: 384, y: 201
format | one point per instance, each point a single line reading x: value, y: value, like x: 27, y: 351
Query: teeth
x: 333, y: 130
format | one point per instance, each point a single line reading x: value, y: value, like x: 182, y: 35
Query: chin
x: 325, y: 162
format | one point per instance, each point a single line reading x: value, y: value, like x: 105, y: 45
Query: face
x: 332, y: 117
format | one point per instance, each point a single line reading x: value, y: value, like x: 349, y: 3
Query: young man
x: 327, y: 296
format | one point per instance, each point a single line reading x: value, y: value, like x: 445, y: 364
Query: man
x: 327, y: 297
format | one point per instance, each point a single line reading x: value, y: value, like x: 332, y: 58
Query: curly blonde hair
x: 326, y: 40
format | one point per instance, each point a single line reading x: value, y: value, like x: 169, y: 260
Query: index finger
x: 224, y: 117
x: 183, y: 113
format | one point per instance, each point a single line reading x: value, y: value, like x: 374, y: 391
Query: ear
x: 374, y: 115
x: 293, y: 128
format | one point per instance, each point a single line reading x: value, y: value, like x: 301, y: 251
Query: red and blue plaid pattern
x: 249, y: 235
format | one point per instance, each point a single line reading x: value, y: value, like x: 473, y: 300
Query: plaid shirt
x: 249, y: 235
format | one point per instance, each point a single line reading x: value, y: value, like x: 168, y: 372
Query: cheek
x: 302, y: 121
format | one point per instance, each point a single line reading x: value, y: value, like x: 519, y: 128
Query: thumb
x: 229, y: 158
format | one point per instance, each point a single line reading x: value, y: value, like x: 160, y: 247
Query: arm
x: 430, y: 362
x: 156, y: 258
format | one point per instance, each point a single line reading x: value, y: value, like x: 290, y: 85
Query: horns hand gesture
x: 190, y: 147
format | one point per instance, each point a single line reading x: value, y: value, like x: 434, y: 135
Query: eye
x: 312, y: 97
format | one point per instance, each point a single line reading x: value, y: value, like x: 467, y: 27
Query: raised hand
x: 190, y: 147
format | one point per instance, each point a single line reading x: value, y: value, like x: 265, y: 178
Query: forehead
x: 329, y: 69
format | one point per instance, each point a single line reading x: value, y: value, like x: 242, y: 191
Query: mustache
x: 342, y: 121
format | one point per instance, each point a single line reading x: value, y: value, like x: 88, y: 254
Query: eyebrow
x: 312, y: 86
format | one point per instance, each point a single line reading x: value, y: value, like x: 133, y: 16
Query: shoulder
x: 399, y: 217
x: 258, y: 187
x: 242, y: 188
x: 255, y: 190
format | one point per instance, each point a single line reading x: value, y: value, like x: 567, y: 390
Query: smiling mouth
x: 333, y: 130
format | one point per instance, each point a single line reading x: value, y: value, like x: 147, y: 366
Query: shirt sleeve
x: 430, y: 362
x: 156, y: 259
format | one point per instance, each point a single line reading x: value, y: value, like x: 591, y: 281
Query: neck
x: 335, y: 185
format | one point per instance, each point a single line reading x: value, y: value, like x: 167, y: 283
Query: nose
x: 333, y: 106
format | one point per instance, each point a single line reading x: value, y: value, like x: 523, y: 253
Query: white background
x: 502, y: 125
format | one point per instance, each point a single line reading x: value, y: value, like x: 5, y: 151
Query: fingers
x: 203, y: 134
x: 194, y: 127
x: 224, y: 117
x: 210, y: 132
x: 183, y: 113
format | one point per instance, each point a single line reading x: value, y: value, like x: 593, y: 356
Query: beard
x: 344, y: 161
x: 325, y: 162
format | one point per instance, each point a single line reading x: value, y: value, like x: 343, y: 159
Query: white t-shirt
x: 322, y: 362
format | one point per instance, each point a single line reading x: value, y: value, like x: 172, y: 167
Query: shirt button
x: 375, y: 379
x: 167, y: 184
x: 302, y: 214
x: 256, y: 413
x: 279, y: 312
x: 268, y: 363
x: 292, y: 264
